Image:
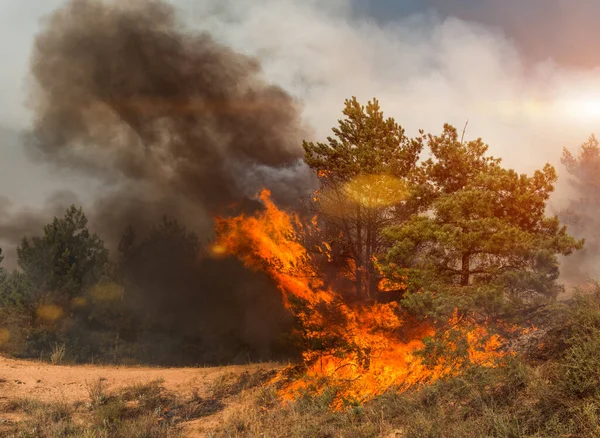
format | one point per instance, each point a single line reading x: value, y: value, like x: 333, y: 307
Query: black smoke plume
x: 171, y: 123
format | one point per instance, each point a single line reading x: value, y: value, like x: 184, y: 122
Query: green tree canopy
x: 66, y: 259
x: 485, y: 225
x: 364, y: 170
x: 365, y: 143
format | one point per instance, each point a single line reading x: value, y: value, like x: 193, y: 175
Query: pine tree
x: 485, y: 226
x: 364, y: 170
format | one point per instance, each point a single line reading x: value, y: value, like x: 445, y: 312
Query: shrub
x: 581, y: 362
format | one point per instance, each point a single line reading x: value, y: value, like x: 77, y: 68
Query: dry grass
x: 146, y: 410
x: 58, y: 354
x: 97, y: 392
x: 140, y: 410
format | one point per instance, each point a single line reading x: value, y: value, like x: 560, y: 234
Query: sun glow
x: 579, y: 107
x: 583, y: 107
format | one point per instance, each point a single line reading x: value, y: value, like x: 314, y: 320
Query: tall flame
x: 363, y: 348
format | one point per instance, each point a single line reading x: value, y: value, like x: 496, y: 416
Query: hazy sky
x: 522, y: 71
x: 564, y: 30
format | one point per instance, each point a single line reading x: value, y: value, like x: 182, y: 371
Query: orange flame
x: 357, y: 347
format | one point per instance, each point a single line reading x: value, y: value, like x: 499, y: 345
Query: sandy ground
x: 46, y: 382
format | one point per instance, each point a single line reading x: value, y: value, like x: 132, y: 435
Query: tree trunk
x: 368, y: 263
x: 465, y: 269
x: 359, y: 255
x: 359, y: 291
x: 373, y: 279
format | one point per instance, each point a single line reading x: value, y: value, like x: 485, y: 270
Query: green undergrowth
x: 554, y: 393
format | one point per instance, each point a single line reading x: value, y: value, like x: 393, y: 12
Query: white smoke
x: 425, y: 71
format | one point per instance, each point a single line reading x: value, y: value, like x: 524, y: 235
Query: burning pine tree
x: 362, y: 348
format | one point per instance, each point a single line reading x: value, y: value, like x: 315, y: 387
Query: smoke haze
x: 184, y: 109
x: 542, y: 29
x: 431, y: 67
x: 426, y: 68
x: 171, y: 123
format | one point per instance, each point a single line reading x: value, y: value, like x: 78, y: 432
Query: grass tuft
x: 58, y: 354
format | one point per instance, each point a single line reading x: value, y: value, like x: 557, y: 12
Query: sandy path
x: 42, y: 381
x: 69, y: 383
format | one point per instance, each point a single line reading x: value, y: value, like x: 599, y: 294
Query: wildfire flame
x: 362, y: 348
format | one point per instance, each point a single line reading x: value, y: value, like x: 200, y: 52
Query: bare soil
x: 20, y: 379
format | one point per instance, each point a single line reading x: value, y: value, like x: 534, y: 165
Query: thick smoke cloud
x: 125, y: 94
x: 173, y: 124
x: 426, y: 69
x: 170, y: 122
